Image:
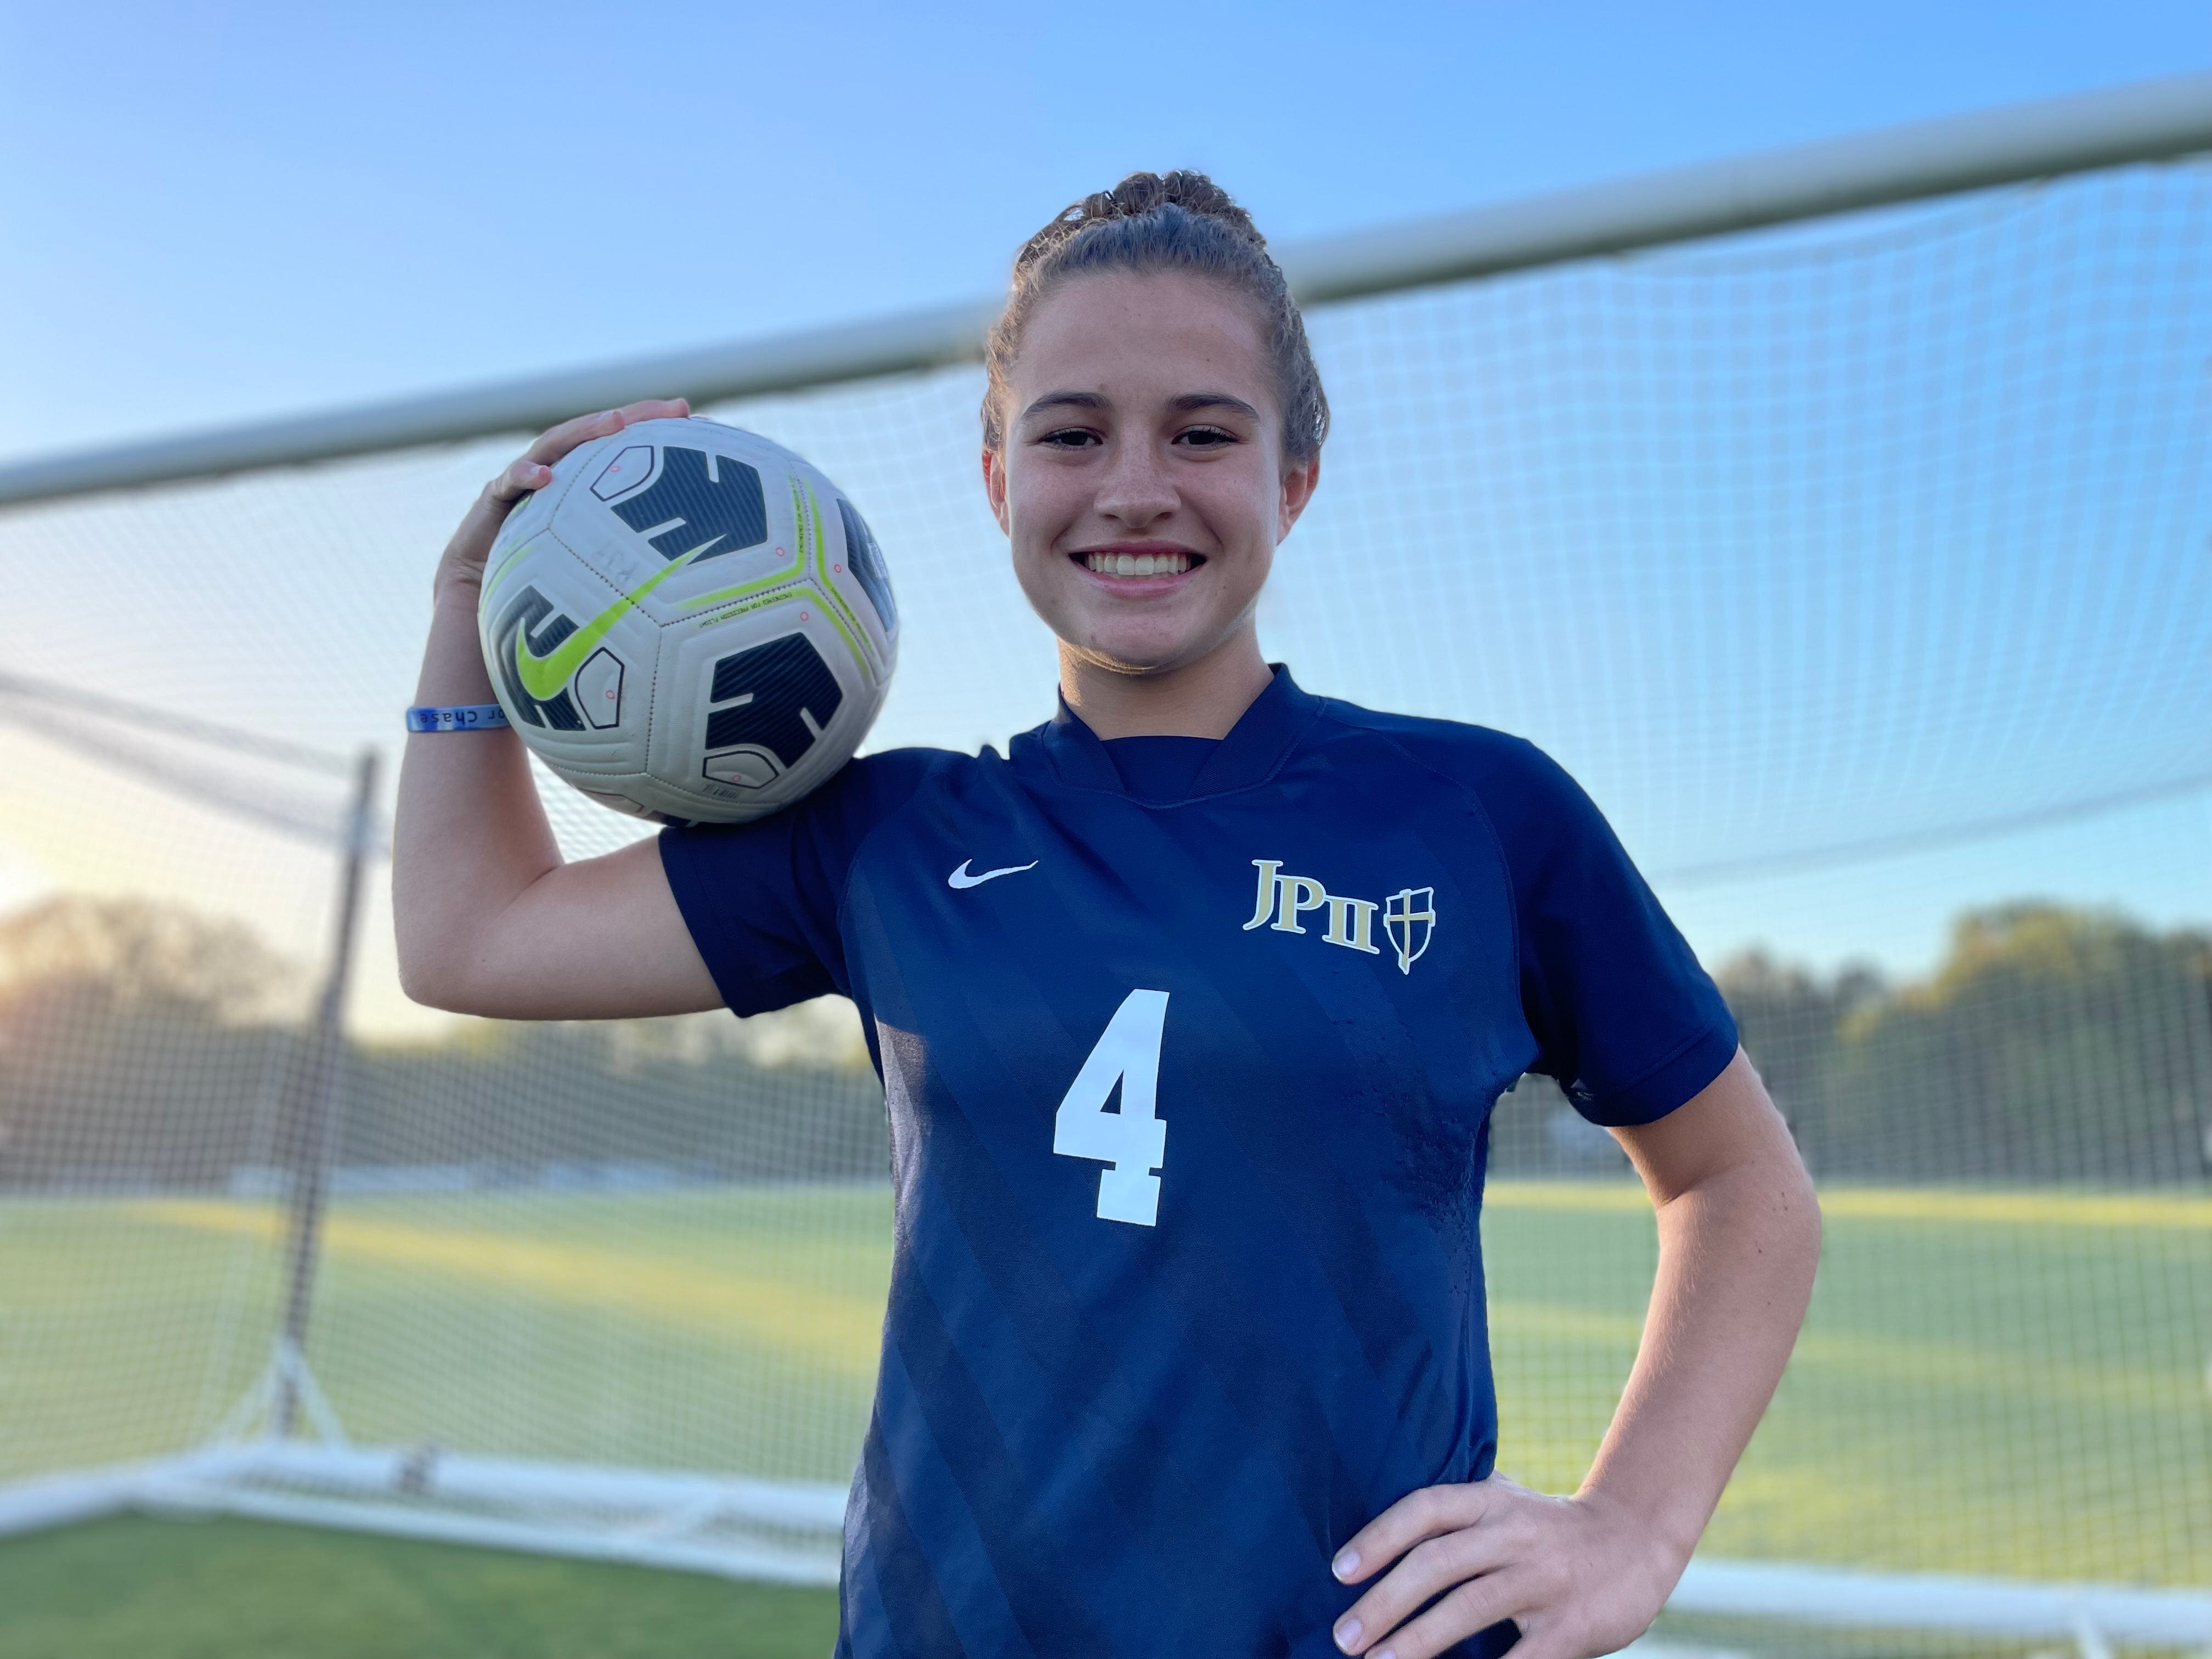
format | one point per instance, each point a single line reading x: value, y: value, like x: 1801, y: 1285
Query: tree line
x: 2051, y: 1044
x: 143, y: 1045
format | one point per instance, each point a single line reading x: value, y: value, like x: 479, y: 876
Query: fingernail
x: 1347, y: 1633
x: 1387, y: 1653
x: 1346, y: 1565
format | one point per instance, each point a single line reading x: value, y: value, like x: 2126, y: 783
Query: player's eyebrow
x: 1188, y: 403
x: 1192, y: 401
x: 1065, y: 400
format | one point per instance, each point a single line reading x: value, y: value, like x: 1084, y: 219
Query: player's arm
x: 490, y: 921
x: 1739, y: 1237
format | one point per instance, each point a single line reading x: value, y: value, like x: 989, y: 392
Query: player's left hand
x: 1580, y: 1576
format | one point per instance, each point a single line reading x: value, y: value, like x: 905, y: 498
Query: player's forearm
x: 1737, y: 1250
x: 471, y: 833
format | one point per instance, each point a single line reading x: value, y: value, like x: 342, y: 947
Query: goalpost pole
x: 313, y: 1105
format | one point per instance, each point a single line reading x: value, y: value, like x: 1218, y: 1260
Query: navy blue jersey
x: 1190, y: 1050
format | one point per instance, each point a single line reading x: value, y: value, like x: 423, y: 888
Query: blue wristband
x: 473, y: 717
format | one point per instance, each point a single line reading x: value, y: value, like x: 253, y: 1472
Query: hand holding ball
x: 688, y: 622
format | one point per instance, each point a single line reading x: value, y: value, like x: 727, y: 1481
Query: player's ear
x: 994, y: 485
x: 1299, y: 482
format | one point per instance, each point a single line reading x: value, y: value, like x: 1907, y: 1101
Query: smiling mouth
x: 1114, y: 561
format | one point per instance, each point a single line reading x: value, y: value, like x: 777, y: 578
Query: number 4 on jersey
x: 1132, y: 1141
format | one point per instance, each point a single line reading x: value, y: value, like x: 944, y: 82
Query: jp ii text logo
x: 1409, y: 915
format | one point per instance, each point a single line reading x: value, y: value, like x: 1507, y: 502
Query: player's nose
x: 1135, y: 490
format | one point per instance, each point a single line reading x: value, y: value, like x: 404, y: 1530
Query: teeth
x: 1138, y: 564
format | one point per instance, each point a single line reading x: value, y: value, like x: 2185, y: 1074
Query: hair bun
x: 1142, y: 193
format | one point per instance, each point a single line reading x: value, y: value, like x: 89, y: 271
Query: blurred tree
x: 142, y: 955
x: 2051, y: 1044
x: 140, y: 1043
x: 1788, y: 1018
x: 144, y: 1045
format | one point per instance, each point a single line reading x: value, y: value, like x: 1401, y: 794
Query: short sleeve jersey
x: 1189, y: 1059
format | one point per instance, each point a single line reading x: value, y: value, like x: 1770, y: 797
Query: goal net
x: 1857, y: 567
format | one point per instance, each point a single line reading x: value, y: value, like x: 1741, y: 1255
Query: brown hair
x: 1179, y: 221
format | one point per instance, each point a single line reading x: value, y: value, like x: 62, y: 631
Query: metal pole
x: 313, y: 1110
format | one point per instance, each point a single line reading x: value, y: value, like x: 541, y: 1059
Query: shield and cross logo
x: 1410, y: 918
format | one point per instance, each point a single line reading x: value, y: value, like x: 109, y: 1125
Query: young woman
x: 1190, y: 1011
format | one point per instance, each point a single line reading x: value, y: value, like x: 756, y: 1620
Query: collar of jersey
x: 1255, y: 747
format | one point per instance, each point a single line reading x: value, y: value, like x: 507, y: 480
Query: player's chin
x: 1137, y: 626
x: 1154, y: 644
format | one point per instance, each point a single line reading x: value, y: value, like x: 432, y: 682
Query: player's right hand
x: 460, y: 568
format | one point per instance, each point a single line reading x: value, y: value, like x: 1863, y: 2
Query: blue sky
x: 246, y: 208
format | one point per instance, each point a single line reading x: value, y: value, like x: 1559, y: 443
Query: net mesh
x: 1857, y: 569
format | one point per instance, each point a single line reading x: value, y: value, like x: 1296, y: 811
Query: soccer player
x: 1191, y: 1010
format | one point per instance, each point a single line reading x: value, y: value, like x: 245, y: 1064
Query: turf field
x: 2006, y: 1382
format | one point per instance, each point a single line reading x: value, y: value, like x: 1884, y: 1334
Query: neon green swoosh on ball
x: 543, y: 676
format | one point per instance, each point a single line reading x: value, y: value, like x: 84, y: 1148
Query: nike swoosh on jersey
x: 960, y: 877
x: 543, y: 676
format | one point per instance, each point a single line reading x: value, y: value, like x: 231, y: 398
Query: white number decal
x: 1132, y: 1142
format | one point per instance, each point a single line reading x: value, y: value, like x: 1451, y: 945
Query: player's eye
x: 1205, y: 437
x: 1071, y: 437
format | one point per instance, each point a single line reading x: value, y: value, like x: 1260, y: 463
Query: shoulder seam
x: 1329, y: 705
x: 861, y: 847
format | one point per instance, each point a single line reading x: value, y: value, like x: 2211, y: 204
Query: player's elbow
x: 421, y: 981
x: 436, y: 977
x: 452, y: 953
x: 1788, y: 1205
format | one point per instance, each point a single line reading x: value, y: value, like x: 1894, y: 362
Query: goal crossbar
x: 2146, y: 121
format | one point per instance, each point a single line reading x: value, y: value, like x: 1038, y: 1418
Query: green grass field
x: 132, y: 1589
x: 2007, y: 1381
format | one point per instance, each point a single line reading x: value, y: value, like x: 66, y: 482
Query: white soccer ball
x: 688, y: 622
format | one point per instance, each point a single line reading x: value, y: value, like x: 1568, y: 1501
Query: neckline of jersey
x: 1255, y: 746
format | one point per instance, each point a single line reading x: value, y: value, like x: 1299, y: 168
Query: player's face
x: 1142, y: 483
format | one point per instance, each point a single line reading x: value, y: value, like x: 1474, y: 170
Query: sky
x: 241, y: 212
x: 243, y: 209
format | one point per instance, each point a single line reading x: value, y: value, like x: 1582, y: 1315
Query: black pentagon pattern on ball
x: 715, y: 510
x: 784, y: 685
x: 531, y: 615
x: 867, y: 562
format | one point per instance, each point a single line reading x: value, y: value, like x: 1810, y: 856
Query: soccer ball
x: 688, y: 622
